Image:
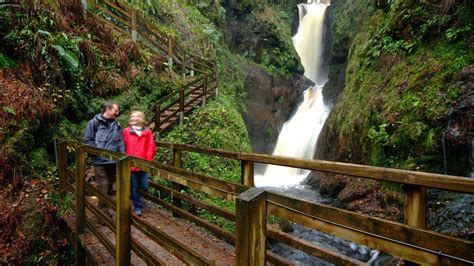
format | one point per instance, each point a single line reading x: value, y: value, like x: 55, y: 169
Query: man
x: 103, y: 131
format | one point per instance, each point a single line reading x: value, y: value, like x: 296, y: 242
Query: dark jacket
x: 105, y: 134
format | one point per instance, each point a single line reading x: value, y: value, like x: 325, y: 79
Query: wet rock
x: 329, y: 184
x: 270, y: 100
x: 453, y: 215
x: 285, y: 226
x: 357, y: 190
x: 459, y: 131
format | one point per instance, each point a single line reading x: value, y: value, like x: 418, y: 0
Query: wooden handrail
x: 417, y: 245
x: 404, y: 240
x: 124, y: 242
x: 380, y: 228
x: 429, y: 180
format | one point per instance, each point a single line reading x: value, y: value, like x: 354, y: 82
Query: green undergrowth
x: 219, y: 124
x: 400, y: 84
x: 278, y: 54
x: 57, y: 68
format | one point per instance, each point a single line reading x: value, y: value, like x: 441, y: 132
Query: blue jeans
x: 139, y: 181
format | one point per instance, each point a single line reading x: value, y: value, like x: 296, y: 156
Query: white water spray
x: 299, y: 135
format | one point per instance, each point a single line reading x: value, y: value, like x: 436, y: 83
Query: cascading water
x: 298, y: 139
x: 299, y: 135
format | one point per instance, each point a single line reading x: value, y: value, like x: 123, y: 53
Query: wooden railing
x: 124, y: 243
x: 254, y: 206
x: 410, y: 241
x: 171, y: 109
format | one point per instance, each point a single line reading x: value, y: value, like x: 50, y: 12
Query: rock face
x: 451, y: 214
x: 270, y: 101
x: 459, y: 132
x: 261, y: 34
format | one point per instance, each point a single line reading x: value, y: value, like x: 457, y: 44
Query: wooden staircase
x: 171, y: 109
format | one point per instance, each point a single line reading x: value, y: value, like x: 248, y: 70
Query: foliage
x: 217, y: 125
x: 7, y: 62
x: 400, y: 84
x: 30, y: 234
x: 61, y: 65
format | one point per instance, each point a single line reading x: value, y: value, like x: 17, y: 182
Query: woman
x: 139, y: 142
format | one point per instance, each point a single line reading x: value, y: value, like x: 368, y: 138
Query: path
x: 198, y: 239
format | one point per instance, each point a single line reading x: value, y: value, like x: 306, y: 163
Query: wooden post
x: 183, y: 65
x: 123, y: 238
x: 170, y: 53
x: 415, y: 209
x: 192, y: 69
x: 80, y: 203
x: 204, y: 92
x: 415, y: 206
x: 177, y: 162
x: 62, y: 164
x: 247, y: 177
x: 181, y: 106
x: 134, y: 24
x: 251, y: 225
x: 157, y: 118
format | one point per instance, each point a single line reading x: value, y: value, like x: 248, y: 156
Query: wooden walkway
x: 171, y: 110
x: 124, y: 235
x: 213, y: 249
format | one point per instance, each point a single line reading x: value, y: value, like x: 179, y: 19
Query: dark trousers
x: 139, y: 181
x: 105, y: 175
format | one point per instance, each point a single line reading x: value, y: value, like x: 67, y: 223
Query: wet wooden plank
x: 221, y: 233
x: 454, y: 183
x: 114, y: 16
x: 203, y: 150
x: 102, y: 238
x: 116, y: 7
x: 214, y: 186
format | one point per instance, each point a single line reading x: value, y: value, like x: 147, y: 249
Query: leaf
x: 9, y: 110
x: 44, y: 33
x: 69, y: 57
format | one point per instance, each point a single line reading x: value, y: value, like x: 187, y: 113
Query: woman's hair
x: 141, y: 118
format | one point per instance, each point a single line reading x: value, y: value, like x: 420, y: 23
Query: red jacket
x: 142, y: 146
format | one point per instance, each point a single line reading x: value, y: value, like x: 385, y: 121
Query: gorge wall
x: 406, y: 72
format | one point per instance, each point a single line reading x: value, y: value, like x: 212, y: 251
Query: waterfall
x: 299, y: 135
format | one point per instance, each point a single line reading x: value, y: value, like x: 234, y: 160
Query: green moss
x: 217, y: 125
x: 396, y: 98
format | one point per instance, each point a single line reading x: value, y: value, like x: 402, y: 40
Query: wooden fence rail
x: 121, y: 251
x: 407, y: 241
x: 415, y: 186
x: 417, y: 245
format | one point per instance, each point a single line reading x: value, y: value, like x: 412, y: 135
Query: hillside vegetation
x: 58, y: 65
x: 407, y: 67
